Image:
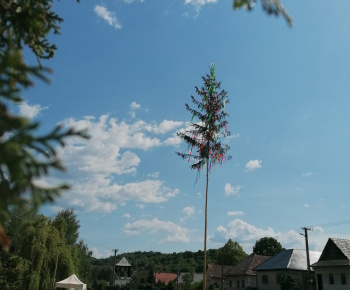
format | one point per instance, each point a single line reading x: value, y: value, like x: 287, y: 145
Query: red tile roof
x: 165, y: 277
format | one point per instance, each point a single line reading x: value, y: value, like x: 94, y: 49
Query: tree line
x: 48, y: 249
x: 43, y: 250
x: 187, y: 262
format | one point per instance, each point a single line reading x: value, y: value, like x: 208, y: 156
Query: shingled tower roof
x: 123, y: 263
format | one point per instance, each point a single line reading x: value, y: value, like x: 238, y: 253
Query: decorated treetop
x: 205, y: 137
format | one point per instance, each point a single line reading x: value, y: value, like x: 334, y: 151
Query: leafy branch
x: 26, y: 156
x: 270, y: 6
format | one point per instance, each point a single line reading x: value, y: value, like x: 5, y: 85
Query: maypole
x: 206, y: 136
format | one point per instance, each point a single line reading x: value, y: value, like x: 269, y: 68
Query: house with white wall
x: 287, y: 262
x: 333, y: 267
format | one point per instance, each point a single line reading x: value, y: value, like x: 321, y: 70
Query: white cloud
x: 92, y: 166
x: 318, y: 229
x: 101, y: 194
x: 126, y: 216
x: 247, y: 235
x: 164, y: 127
x: 172, y: 231
x: 173, y: 141
x: 133, y: 107
x: 131, y: 1
x: 189, y: 211
x: 154, y: 174
x: 231, y: 190
x: 306, y: 205
x: 56, y: 209
x: 199, y: 3
x: 221, y: 229
x: 108, y: 16
x: 253, y: 164
x: 307, y: 174
x: 30, y: 111
x: 108, y: 132
x: 234, y: 213
x: 96, y: 253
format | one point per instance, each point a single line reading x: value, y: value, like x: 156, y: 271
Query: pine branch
x: 204, y: 136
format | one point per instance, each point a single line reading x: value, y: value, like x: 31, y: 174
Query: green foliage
x: 71, y: 231
x: 170, y: 286
x: 270, y: 6
x: 288, y: 282
x: 25, y: 155
x: 31, y: 260
x: 184, y: 262
x: 267, y: 246
x: 14, y: 273
x: 230, y: 254
x: 196, y: 286
x: 151, y: 277
x: 99, y: 285
x: 187, y: 280
x: 33, y: 244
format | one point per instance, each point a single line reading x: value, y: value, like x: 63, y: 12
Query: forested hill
x: 184, y: 261
x: 230, y: 254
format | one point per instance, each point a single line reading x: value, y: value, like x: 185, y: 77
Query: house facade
x: 240, y: 276
x: 287, y: 262
x: 333, y: 267
x: 216, y: 275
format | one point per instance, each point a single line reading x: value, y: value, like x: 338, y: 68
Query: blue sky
x: 125, y: 69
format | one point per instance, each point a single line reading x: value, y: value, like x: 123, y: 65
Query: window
x: 237, y: 284
x: 243, y: 284
x: 320, y: 281
x: 265, y: 279
x: 230, y: 283
x: 278, y: 278
x: 343, y: 278
x: 331, y: 279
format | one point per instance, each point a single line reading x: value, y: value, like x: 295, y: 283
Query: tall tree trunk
x: 205, y: 229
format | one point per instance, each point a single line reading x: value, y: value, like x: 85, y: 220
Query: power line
x: 331, y: 224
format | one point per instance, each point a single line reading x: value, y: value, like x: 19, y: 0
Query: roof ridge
x: 290, y: 259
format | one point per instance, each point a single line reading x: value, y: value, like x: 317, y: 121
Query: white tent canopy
x: 72, y: 282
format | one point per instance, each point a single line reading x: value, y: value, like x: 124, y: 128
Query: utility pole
x: 115, y: 261
x: 177, y: 280
x: 222, y: 271
x: 307, y: 257
x: 58, y: 253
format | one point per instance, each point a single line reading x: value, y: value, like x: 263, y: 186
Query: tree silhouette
x: 267, y: 246
x: 205, y: 136
x: 230, y: 254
